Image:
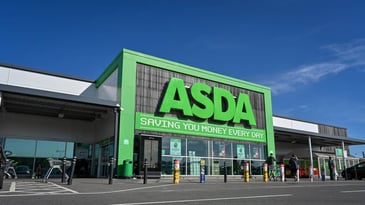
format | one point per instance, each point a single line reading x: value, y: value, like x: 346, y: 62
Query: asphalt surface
x: 188, y: 191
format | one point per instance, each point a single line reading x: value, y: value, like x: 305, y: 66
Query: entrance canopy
x: 288, y: 130
x: 318, y: 139
x: 27, y: 113
x: 43, y: 103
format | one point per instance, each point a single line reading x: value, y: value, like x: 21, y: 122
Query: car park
x: 23, y: 171
x: 355, y: 172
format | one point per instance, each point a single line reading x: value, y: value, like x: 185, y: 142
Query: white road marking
x: 12, y: 186
x: 125, y: 190
x: 61, y: 187
x: 210, y: 199
x: 352, y: 191
x: 36, y: 188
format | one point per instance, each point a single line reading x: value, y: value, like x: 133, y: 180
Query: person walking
x: 331, y: 167
x: 293, y: 163
x: 271, y: 163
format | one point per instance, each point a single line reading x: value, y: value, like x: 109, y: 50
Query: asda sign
x: 207, y: 102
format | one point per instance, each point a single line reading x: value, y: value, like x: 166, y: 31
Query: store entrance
x: 150, y: 151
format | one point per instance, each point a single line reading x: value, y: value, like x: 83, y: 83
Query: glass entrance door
x: 151, y: 151
x: 151, y: 154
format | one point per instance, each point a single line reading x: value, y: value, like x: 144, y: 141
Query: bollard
x: 176, y: 171
x: 63, y: 170
x: 202, y: 171
x: 1, y: 176
x: 246, y: 172
x: 323, y: 175
x: 111, y: 170
x: 282, y: 172
x: 69, y: 182
x: 266, y: 176
x: 225, y: 172
x: 145, y: 172
x: 335, y: 173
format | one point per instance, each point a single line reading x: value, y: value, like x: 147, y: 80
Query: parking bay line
x: 210, y: 199
x: 352, y: 191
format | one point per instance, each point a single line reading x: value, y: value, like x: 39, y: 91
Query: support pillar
x: 344, y: 159
x: 311, y: 159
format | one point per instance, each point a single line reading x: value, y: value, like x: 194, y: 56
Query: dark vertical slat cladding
x: 152, y: 81
x: 333, y: 131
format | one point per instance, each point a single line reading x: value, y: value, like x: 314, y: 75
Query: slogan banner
x: 173, y: 125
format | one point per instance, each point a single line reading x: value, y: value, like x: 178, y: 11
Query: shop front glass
x: 30, y: 157
x: 215, y: 153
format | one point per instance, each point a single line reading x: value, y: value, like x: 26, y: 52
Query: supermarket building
x: 143, y: 107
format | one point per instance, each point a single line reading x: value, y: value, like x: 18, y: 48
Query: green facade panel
x: 131, y: 119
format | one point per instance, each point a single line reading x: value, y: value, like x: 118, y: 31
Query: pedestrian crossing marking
x: 37, y: 188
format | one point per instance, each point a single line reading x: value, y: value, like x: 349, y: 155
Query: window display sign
x: 175, y: 147
x: 339, y: 152
x: 240, y: 151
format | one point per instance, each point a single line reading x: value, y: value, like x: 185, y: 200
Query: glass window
x: 198, y: 164
x: 256, y: 167
x: 168, y: 165
x: 222, y: 149
x: 257, y: 152
x: 240, y: 151
x: 54, y: 149
x: 218, y: 166
x: 197, y: 147
x: 173, y: 146
x: 20, y: 147
x: 238, y: 166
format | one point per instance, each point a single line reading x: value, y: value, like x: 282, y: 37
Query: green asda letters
x: 176, y: 97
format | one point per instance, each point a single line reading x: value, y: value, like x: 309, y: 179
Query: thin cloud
x: 344, y: 56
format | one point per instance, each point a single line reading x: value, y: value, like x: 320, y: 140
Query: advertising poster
x: 175, y: 147
x: 240, y: 151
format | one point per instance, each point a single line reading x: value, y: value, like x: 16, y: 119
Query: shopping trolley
x: 274, y: 173
x: 56, y: 164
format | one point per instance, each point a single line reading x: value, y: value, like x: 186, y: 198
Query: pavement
x: 101, y: 185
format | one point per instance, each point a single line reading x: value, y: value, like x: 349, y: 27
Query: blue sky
x: 311, y: 53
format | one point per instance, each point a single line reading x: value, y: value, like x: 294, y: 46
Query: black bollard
x: 111, y: 169
x: 225, y: 172
x: 145, y: 172
x: 72, y: 171
x: 1, y: 176
x: 63, y: 170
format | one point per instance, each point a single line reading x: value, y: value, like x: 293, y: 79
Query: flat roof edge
x: 60, y: 96
x: 35, y: 70
x: 348, y: 140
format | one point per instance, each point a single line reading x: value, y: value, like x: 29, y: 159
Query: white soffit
x: 295, y: 124
x: 41, y: 81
